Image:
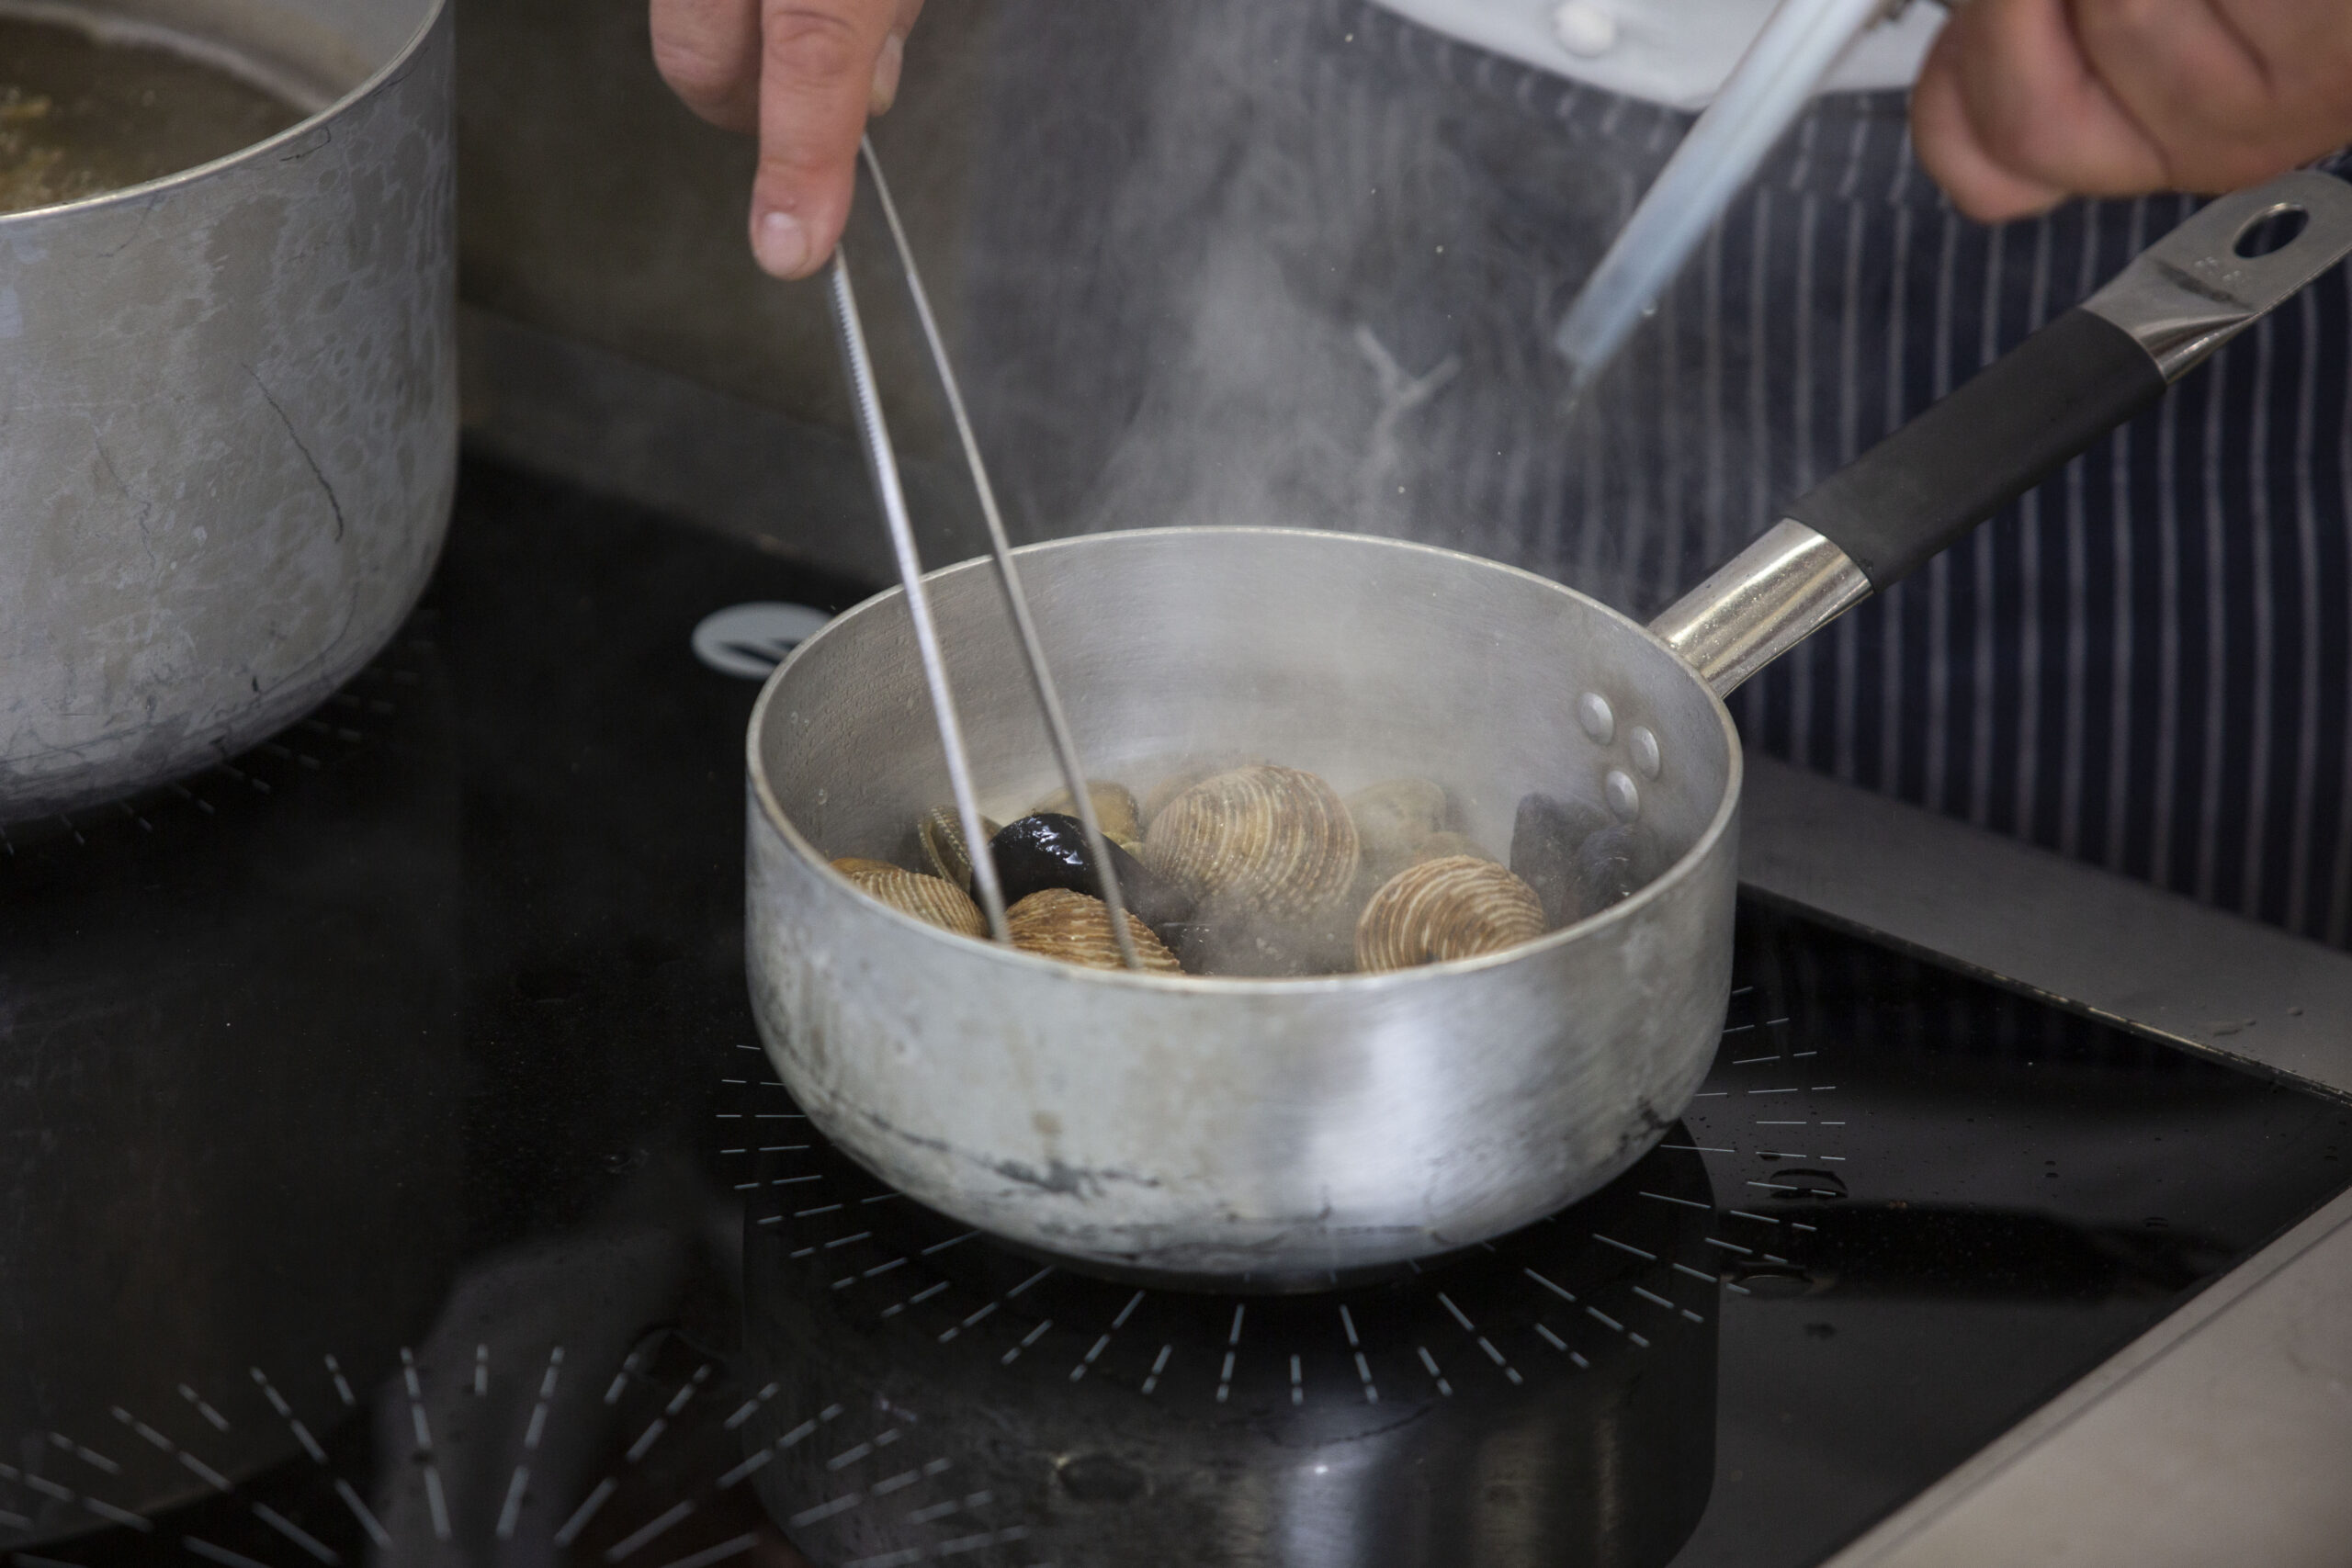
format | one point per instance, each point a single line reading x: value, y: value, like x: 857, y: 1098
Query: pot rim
x: 396, y: 64
x: 1353, y: 985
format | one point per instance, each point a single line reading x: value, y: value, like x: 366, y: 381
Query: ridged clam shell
x: 1392, y: 819
x: 1441, y: 909
x: 941, y: 832
x: 1076, y: 928
x: 930, y: 898
x: 1263, y: 841
x: 1183, y: 777
x: 1114, y: 808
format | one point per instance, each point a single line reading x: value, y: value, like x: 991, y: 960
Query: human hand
x: 804, y: 75
x: 2023, y: 103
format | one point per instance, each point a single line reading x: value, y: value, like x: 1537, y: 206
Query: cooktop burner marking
x: 751, y: 1406
x: 296, y: 1533
x: 720, y: 1553
x: 646, y: 1533
x: 840, y: 1504
x: 1559, y: 1291
x: 586, y: 1511
x: 286, y: 1413
x: 1158, y: 1366
x: 918, y: 1298
x: 220, y: 1422
x: 1033, y: 1336
x: 1430, y: 1362
x: 1103, y: 1343
x: 510, y: 1513
x: 219, y: 1554
x: 88, y: 1456
x: 350, y: 1499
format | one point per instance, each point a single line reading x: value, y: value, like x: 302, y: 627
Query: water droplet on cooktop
x: 1797, y: 1183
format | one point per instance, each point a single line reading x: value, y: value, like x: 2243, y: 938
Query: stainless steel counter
x: 2224, y: 1434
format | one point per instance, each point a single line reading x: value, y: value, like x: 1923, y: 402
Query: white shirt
x: 1670, y: 51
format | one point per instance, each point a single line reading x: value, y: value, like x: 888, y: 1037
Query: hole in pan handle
x: 1888, y: 512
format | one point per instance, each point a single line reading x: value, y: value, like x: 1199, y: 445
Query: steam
x: 1296, y: 262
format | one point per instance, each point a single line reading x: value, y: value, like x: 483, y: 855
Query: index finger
x: 818, y: 61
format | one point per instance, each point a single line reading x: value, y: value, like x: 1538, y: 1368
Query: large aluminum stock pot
x: 1288, y: 1131
x: 227, y: 406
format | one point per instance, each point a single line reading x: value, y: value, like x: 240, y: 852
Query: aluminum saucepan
x: 228, y: 404
x: 1287, y: 1131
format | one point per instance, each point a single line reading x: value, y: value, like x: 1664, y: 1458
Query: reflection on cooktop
x: 388, y: 1171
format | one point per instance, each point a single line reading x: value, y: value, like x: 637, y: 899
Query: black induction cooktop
x: 389, y: 1172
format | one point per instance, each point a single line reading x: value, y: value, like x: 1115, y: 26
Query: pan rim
x: 394, y: 70
x: 1667, y: 882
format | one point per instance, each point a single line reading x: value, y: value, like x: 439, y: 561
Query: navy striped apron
x: 1239, y: 261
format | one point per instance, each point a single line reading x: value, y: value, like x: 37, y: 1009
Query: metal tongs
x: 882, y: 465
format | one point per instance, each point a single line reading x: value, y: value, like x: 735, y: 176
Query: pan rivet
x: 1644, y: 748
x: 1593, y: 712
x: 1623, y: 798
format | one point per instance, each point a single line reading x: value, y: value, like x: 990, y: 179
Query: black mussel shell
x: 1049, y: 850
x: 1578, y: 858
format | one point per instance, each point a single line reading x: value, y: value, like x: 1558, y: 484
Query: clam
x: 1455, y: 907
x: 1114, y: 808
x: 1392, y: 819
x: 1192, y: 772
x: 932, y: 898
x: 1076, y: 928
x: 1576, y: 856
x: 1049, y: 850
x: 1261, y: 843
x: 941, y: 832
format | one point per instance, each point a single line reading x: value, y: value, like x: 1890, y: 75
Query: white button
x: 1584, y: 29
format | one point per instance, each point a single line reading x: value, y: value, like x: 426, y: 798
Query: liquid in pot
x: 79, y: 116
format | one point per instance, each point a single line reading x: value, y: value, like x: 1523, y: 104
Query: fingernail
x: 781, y: 243
x: 887, y: 67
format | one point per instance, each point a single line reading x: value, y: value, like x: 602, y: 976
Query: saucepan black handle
x: 1888, y: 512
x: 1904, y: 501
